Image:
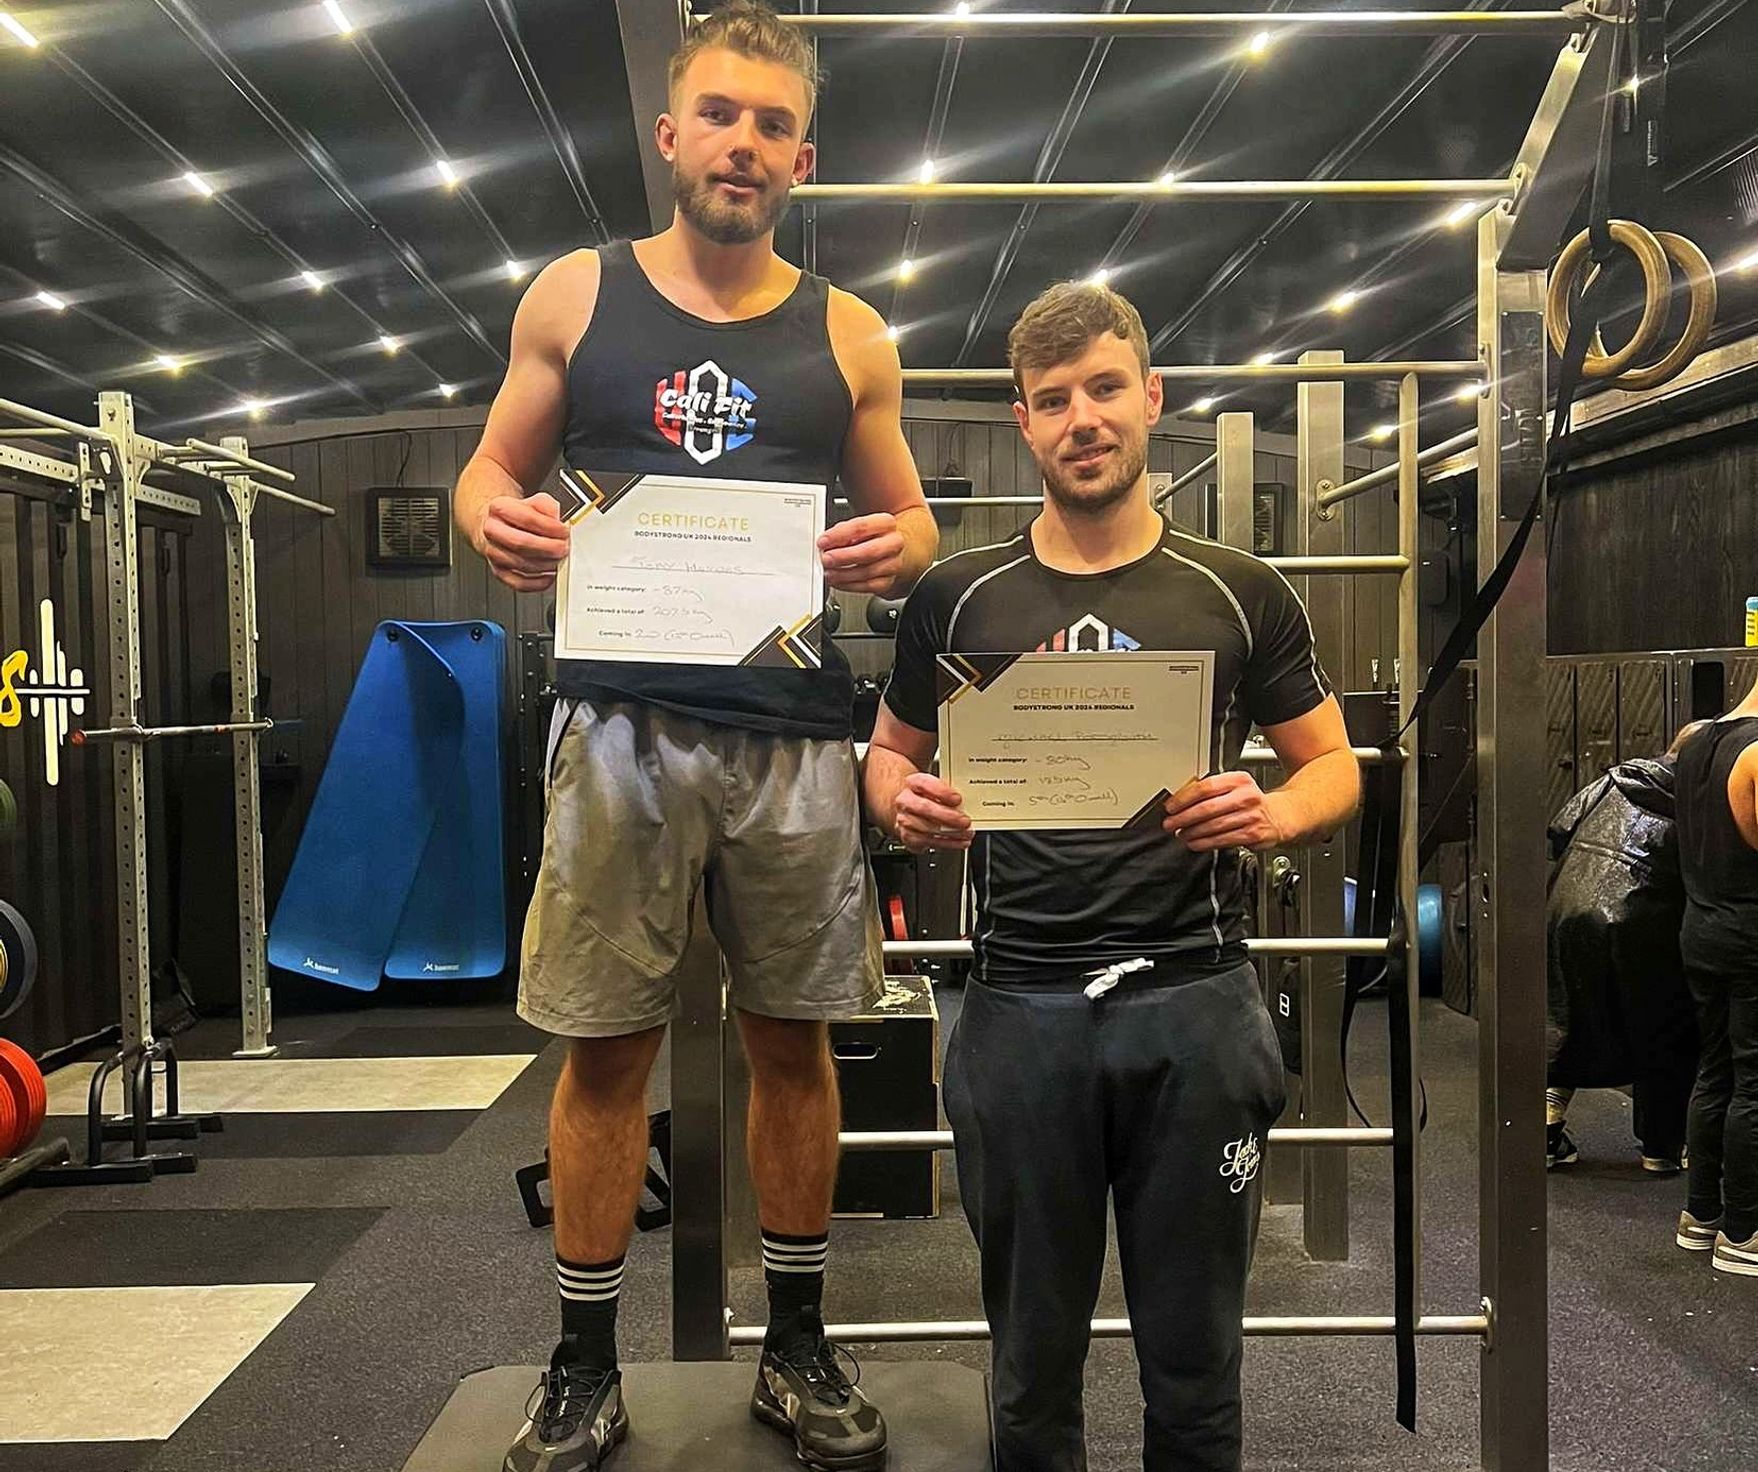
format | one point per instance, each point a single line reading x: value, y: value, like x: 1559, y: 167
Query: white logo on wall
x: 1240, y: 1160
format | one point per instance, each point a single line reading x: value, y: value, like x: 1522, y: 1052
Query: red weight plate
x: 29, y: 1095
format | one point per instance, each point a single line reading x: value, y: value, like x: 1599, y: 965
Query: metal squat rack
x: 1526, y: 214
x: 114, y: 469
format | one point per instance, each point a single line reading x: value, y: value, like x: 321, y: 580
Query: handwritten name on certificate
x: 1073, y: 740
x: 677, y: 570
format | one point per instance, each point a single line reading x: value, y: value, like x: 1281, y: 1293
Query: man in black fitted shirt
x: 1113, y: 1042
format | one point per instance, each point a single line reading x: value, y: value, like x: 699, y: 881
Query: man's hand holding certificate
x: 1055, y: 740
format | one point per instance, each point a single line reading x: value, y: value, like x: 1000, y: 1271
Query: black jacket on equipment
x: 1619, y: 1008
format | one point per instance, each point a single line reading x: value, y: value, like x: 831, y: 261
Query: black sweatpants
x: 1723, y: 1131
x: 1161, y: 1097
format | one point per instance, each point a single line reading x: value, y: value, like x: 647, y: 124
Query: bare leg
x: 598, y: 1143
x: 794, y: 1117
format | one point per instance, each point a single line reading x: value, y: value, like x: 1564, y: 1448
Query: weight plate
x: 18, y: 960
x: 11, y: 1122
x: 8, y: 812
x: 22, y: 1080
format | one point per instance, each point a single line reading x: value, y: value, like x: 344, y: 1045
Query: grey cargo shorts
x: 644, y: 806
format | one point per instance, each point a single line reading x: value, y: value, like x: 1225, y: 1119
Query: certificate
x: 680, y: 570
x: 1073, y: 740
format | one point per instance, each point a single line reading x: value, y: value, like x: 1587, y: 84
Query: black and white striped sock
x: 793, y: 1267
x: 589, y: 1293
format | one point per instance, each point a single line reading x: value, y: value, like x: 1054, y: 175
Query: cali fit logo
x: 1240, y: 1160
x: 705, y: 412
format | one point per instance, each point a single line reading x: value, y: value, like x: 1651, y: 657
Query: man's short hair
x: 752, y: 29
x: 1062, y: 323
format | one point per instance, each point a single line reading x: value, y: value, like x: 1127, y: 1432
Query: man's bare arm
x: 891, y: 539
x: 521, y: 535
x: 1321, y: 793
x: 902, y: 797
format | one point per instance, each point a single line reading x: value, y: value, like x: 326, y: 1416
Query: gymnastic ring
x: 1700, y: 280
x: 1657, y: 283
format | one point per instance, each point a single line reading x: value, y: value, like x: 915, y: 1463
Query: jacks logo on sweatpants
x: 705, y: 411
x: 1087, y: 635
x: 1240, y: 1160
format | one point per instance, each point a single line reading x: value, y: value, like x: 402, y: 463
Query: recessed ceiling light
x: 1263, y: 360
x: 906, y: 269
x: 312, y: 279
x: 1467, y: 391
x: 1203, y: 405
x: 1343, y: 301
x: 448, y: 175
x: 962, y: 8
x: 199, y: 184
x: 1382, y: 431
x: 337, y: 15
x: 449, y: 390
x: 515, y: 272
x: 19, y: 33
x: 1747, y: 262
x: 253, y: 407
x: 1460, y: 213
x: 168, y: 363
x: 389, y: 344
x: 1101, y: 277
x: 51, y: 301
x: 1167, y: 179
x: 893, y: 333
x: 1258, y: 46
x: 1633, y: 86
x: 927, y: 171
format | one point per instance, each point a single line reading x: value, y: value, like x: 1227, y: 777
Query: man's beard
x: 722, y: 220
x: 1077, y: 497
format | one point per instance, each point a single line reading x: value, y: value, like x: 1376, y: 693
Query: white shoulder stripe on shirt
x: 964, y: 597
x: 1226, y: 592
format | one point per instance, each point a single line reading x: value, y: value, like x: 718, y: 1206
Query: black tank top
x: 1720, y: 868
x: 654, y: 390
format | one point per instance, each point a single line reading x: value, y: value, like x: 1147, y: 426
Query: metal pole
x: 1190, y: 477
x: 255, y: 1004
x: 153, y: 733
x: 1346, y: 1326
x: 1389, y: 371
x: 1551, y: 23
x: 52, y: 421
x: 275, y: 493
x: 1410, y: 816
x: 1236, y: 476
x: 1293, y: 945
x: 1324, y: 1100
x: 1121, y: 190
x: 942, y: 1139
x: 1511, y: 809
x: 1388, y: 474
x: 1333, y: 563
x: 226, y: 457
x: 1368, y: 756
x: 127, y: 763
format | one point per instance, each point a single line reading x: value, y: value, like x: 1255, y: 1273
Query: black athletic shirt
x: 1054, y: 903
x: 1720, y: 868
x: 652, y: 389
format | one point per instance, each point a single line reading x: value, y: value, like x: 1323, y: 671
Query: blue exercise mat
x: 400, y: 869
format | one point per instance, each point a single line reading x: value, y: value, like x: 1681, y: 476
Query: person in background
x: 1619, y: 1008
x: 1718, y: 858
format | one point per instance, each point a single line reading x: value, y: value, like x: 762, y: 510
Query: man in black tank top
x: 1718, y: 857
x: 699, y: 353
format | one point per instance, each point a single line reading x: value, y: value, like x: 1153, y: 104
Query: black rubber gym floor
x: 425, y: 1269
